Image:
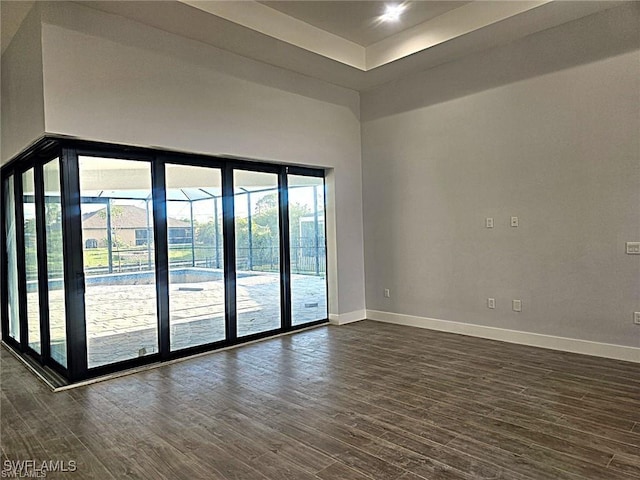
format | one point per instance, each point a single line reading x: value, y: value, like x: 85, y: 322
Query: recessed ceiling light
x: 392, y: 12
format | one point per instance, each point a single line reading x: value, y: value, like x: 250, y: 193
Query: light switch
x: 633, y: 248
x: 514, y: 221
x: 489, y: 222
x: 517, y: 305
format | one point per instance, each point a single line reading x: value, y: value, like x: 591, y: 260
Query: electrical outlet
x: 636, y: 318
x: 517, y: 305
x: 515, y: 222
x: 387, y: 293
x: 633, y: 248
x: 491, y: 303
x: 488, y: 222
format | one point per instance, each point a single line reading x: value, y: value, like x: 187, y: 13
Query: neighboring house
x: 129, y: 226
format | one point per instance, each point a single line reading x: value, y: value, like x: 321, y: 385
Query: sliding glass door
x: 196, y: 252
x: 307, y: 249
x: 119, y: 259
x: 55, y: 262
x: 11, y: 252
x: 257, y: 235
x: 30, y: 232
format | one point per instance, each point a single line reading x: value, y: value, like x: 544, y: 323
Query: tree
x: 265, y: 232
x: 30, y: 250
x: 206, y: 232
x: 53, y: 223
x: 266, y: 204
x: 117, y: 212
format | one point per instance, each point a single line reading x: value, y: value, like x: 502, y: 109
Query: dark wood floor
x: 363, y: 401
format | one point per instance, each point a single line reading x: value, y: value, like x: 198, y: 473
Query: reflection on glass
x: 55, y: 264
x: 196, y: 272
x: 31, y: 259
x: 307, y: 251
x: 12, y: 258
x: 257, y: 251
x: 119, y: 265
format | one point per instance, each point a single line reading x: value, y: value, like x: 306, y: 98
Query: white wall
x: 546, y: 129
x: 22, y: 109
x: 110, y: 79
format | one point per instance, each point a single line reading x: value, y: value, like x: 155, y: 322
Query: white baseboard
x: 349, y: 317
x: 585, y: 347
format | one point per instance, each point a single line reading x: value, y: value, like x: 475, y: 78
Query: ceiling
x: 359, y: 21
x: 11, y: 16
x: 341, y: 42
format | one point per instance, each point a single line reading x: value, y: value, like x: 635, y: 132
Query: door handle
x: 80, y: 287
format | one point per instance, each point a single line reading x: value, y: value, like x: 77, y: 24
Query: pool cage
x: 115, y: 257
x: 307, y: 239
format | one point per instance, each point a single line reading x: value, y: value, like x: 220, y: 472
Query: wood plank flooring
x: 363, y: 401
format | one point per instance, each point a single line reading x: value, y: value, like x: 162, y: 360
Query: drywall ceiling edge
x: 187, y: 21
x: 445, y: 27
x: 278, y: 25
x: 440, y: 29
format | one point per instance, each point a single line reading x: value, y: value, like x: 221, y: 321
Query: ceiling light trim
x: 393, y: 12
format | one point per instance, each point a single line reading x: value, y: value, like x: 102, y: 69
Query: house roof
x: 125, y: 216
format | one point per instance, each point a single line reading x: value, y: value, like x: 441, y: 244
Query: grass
x: 131, y: 256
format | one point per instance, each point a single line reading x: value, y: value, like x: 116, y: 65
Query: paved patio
x: 122, y: 323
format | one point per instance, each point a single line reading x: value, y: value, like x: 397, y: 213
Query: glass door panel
x: 196, y: 270
x: 257, y: 252
x: 31, y: 259
x: 55, y: 264
x: 119, y: 262
x: 307, y: 249
x: 12, y: 258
